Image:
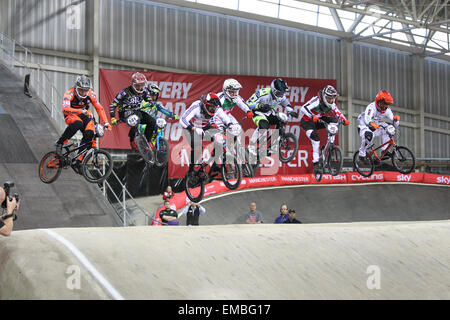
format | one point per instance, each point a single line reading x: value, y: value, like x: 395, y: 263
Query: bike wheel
x: 318, y: 175
x: 97, y: 165
x: 288, y: 147
x: 403, y: 159
x: 49, y: 167
x: 250, y: 165
x: 145, y: 150
x: 231, y: 174
x: 335, y: 160
x: 194, y: 185
x: 364, y: 168
x: 162, y: 154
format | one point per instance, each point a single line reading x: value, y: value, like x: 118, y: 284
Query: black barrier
x: 26, y: 86
x: 142, y: 180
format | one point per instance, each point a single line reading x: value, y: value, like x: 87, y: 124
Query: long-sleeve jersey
x: 152, y: 108
x: 371, y: 114
x: 316, y: 107
x: 194, y: 115
x: 72, y: 104
x: 128, y: 99
x: 229, y: 105
x: 263, y: 102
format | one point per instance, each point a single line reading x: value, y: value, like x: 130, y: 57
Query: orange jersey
x: 72, y: 104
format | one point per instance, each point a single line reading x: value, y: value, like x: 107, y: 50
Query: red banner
x: 353, y: 177
x: 216, y: 187
x: 180, y: 90
x: 391, y: 176
x: 436, y: 178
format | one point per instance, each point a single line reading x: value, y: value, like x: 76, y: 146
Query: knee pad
x: 88, y: 135
x: 314, y: 136
x: 132, y: 132
x: 263, y: 124
x: 77, y: 125
x: 368, y: 135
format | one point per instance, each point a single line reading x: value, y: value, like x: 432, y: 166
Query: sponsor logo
x: 404, y: 178
x: 295, y: 179
x: 256, y: 180
x: 339, y: 177
x: 443, y: 179
x: 374, y: 177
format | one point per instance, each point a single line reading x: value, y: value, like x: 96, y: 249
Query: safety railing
x: 127, y: 209
x: 41, y: 87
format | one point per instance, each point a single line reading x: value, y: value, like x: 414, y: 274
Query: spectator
x: 193, y: 212
x: 283, y: 214
x: 168, y: 193
x: 291, y: 218
x: 253, y: 217
x: 6, y: 220
x: 169, y: 215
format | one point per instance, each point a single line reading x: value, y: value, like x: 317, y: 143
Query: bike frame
x: 373, y: 152
x: 328, y: 145
x: 69, y: 151
x: 159, y: 136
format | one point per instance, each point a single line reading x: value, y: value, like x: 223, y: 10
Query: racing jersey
x: 72, y: 104
x: 316, y: 107
x: 371, y: 114
x: 152, y: 108
x: 128, y: 99
x: 194, y: 115
x: 262, y: 102
x: 228, y: 105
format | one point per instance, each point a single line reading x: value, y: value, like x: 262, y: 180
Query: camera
x: 7, y: 187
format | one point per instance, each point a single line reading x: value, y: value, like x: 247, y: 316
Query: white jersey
x: 194, y: 115
x: 371, y: 114
x: 228, y: 105
x: 314, y: 107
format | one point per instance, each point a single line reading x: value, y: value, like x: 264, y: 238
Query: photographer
x: 192, y: 213
x: 10, y: 206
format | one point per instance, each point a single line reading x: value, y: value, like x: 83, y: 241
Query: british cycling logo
x: 443, y: 179
x: 339, y: 177
x: 371, y: 178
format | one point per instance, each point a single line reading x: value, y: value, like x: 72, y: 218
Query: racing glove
x: 107, y: 126
x: 293, y: 114
x: 374, y: 125
x: 87, y: 113
x: 175, y: 117
x: 396, y: 118
x: 316, y: 119
x: 113, y: 121
x: 346, y: 123
x: 199, y: 131
x: 249, y: 114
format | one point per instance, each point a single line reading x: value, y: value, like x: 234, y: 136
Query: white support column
x: 95, y: 44
x: 346, y: 86
x: 419, y: 104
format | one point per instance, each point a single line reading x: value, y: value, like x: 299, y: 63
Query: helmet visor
x: 82, y: 92
x: 212, y: 105
x: 139, y: 87
x: 279, y: 93
x: 330, y: 99
x: 233, y: 93
x: 383, y: 105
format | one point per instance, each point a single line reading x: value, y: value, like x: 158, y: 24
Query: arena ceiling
x: 419, y: 24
